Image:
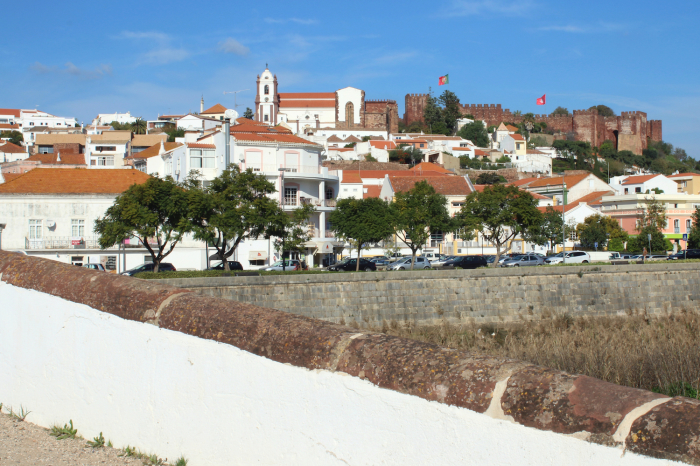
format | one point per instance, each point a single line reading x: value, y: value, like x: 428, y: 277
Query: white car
x: 573, y: 257
x: 405, y: 264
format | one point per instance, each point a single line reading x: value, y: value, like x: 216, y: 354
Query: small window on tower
x: 265, y: 117
x: 267, y: 89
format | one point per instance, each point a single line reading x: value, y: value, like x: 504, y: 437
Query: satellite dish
x: 230, y: 114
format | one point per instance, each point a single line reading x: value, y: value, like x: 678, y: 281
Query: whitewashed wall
x: 174, y: 394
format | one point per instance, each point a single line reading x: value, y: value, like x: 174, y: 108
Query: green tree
x: 694, y: 233
x: 139, y: 126
x: 560, y: 111
x: 236, y: 206
x: 417, y: 214
x: 551, y: 228
x: 489, y: 178
x: 155, y: 212
x: 14, y: 136
x: 440, y: 128
x: 504, y: 159
x: 576, y: 152
x: 406, y: 154
x: 536, y: 141
x: 657, y: 243
x: 603, y: 110
x: 450, y: 110
x: 248, y: 113
x: 616, y: 244
x: 592, y: 233
x: 501, y: 213
x: 292, y: 231
x: 653, y: 215
x: 476, y: 133
x: 175, y: 133
x: 608, y: 225
x: 432, y: 113
x: 362, y: 221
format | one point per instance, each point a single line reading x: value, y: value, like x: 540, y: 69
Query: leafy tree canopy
x: 155, y: 212
x: 476, y: 133
x: 501, y: 213
x: 603, y: 110
x: 418, y: 213
x: 14, y: 136
x: 248, y: 113
x: 551, y: 229
x: 175, y: 133
x: 362, y: 221
x: 694, y: 233
x: 489, y: 178
x: 560, y: 111
x: 292, y: 230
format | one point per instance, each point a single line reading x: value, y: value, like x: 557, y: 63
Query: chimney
x: 58, y: 157
x: 162, y: 148
x: 201, y: 105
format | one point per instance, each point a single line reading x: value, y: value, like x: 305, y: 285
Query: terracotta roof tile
x: 333, y: 138
x: 147, y: 140
x: 218, y: 108
x: 571, y: 181
x: 154, y: 150
x: 307, y: 103
x: 445, y: 185
x: 523, y: 182
x: 9, y: 127
x: 74, y: 181
x: 638, y: 179
x: 11, y: 176
x: 306, y: 95
x: 353, y: 139
x: 678, y: 175
x: 247, y: 127
x: 468, y: 149
x: 244, y: 120
x: 193, y: 145
x: 351, y: 177
x: 10, y: 148
x: 592, y: 198
x: 431, y: 167
x: 52, y: 159
x: 382, y: 173
x: 511, y: 128
x: 517, y: 137
x: 272, y: 137
x: 51, y: 139
x: 387, y: 145
x: 372, y: 191
x: 10, y: 111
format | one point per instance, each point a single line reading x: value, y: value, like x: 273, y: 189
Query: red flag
x: 542, y: 100
x: 444, y: 80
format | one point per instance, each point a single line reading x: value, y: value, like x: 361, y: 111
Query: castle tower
x: 266, y: 100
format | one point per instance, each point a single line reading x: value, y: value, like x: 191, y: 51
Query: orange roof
x: 250, y: 127
x: 194, y: 145
x: 245, y: 120
x: 540, y: 196
x: 10, y: 111
x: 272, y: 137
x: 66, y: 159
x: 154, y: 150
x: 74, y: 181
x: 517, y: 137
x: 342, y: 149
x: 218, y: 108
x: 307, y: 103
x: 480, y: 152
x: 511, y: 128
x: 683, y: 174
x: 306, y: 95
x: 638, y: 179
x: 382, y: 173
x: 372, y: 191
x: 383, y: 144
x: 6, y: 126
x: 593, y: 197
x: 524, y: 181
x: 571, y: 181
x: 463, y: 148
x: 10, y: 148
x: 351, y: 176
x: 431, y: 167
x: 445, y: 185
x: 11, y: 176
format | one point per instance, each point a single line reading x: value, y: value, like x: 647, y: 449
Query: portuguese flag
x: 444, y: 80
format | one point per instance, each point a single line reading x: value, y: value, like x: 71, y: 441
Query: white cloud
x: 161, y: 53
x: 291, y: 20
x: 73, y: 70
x: 480, y: 7
x: 164, y: 55
x: 231, y: 45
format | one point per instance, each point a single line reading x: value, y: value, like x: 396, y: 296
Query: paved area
x: 25, y: 444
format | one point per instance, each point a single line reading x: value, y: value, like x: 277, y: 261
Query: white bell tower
x: 266, y: 100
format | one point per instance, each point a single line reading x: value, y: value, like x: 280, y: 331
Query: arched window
x: 676, y: 226
x: 350, y: 114
x: 267, y: 89
x: 687, y: 226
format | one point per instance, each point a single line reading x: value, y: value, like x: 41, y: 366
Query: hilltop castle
x: 630, y: 131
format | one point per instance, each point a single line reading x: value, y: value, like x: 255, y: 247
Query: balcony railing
x: 62, y: 242
x: 271, y: 168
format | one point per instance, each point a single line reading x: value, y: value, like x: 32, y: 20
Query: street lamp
x: 2, y: 227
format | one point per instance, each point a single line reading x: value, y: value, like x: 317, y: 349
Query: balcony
x: 62, y: 242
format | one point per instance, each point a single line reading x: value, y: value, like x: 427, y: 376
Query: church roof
x: 218, y: 108
x: 307, y: 99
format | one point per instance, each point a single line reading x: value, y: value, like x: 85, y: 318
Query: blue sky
x: 149, y: 58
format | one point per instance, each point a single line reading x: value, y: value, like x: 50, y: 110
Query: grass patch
x: 660, y: 354
x: 19, y: 415
x: 97, y: 442
x: 64, y: 432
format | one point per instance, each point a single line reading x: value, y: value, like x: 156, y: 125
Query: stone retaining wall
x: 482, y: 295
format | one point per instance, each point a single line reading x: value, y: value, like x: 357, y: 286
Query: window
x: 687, y: 226
x: 290, y: 196
x: 103, y: 161
x: 35, y: 229
x: 195, y: 158
x: 105, y: 148
x: 257, y: 262
x: 329, y: 193
x: 676, y: 226
x: 77, y: 228
x: 266, y: 118
x: 291, y: 161
x: 637, y: 190
x: 267, y: 89
x: 422, y: 145
x: 627, y: 191
x: 208, y: 158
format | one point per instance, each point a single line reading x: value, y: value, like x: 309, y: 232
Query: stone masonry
x: 483, y: 295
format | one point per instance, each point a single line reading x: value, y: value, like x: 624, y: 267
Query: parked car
x: 572, y: 257
x: 490, y: 258
x: 350, y: 265
x: 657, y: 257
x: 99, y: 267
x: 442, y: 261
x: 163, y: 267
x: 687, y: 254
x: 405, y: 264
x: 505, y: 257
x: 465, y: 262
x: 524, y: 260
x: 232, y: 265
x: 289, y: 265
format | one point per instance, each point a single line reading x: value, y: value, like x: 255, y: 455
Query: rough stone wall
x: 414, y: 107
x: 381, y: 115
x: 654, y: 130
x: 68, y: 148
x: 484, y: 295
x: 510, y: 174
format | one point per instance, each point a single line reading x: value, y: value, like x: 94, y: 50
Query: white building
x: 643, y: 183
x: 105, y: 119
x: 11, y: 153
x: 197, y: 122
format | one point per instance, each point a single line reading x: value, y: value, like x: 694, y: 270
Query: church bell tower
x: 266, y: 99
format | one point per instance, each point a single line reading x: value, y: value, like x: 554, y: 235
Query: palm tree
x: 139, y: 126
